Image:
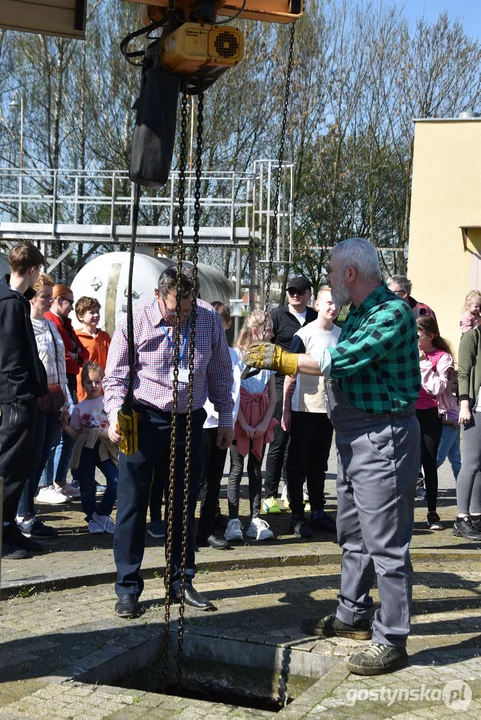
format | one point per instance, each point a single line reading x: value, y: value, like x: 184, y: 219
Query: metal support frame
x: 236, y: 206
x: 61, y: 257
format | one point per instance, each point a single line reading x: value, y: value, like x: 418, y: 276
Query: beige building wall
x: 444, y: 260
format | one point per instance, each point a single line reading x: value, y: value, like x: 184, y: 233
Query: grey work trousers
x: 468, y: 486
x: 378, y: 464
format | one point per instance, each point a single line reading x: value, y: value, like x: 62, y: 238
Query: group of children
x: 254, y: 396
x: 304, y: 415
x: 254, y: 404
x: 87, y: 424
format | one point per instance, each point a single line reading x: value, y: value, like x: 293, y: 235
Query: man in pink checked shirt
x: 154, y: 322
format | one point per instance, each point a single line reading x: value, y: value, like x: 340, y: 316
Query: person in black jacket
x: 22, y: 380
x: 286, y: 321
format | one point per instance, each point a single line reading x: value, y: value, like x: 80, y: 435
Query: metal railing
x: 97, y: 206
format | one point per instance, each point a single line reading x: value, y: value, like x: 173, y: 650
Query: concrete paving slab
x: 76, y: 558
x: 50, y: 637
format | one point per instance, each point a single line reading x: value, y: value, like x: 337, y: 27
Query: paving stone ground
x: 262, y: 592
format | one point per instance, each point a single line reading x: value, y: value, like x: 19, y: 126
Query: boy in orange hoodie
x: 95, y: 341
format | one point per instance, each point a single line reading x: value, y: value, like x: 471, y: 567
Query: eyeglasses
x: 398, y: 292
x: 61, y: 297
x: 295, y: 291
x: 173, y: 312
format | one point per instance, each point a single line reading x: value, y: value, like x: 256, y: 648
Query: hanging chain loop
x: 280, y: 159
x: 190, y: 390
x: 175, y: 390
x: 192, y: 334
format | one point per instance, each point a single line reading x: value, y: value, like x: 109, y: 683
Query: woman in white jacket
x: 435, y: 397
x: 48, y: 428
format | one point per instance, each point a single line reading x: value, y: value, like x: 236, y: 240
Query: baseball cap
x: 299, y: 283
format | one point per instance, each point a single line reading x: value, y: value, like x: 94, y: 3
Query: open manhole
x: 218, y: 670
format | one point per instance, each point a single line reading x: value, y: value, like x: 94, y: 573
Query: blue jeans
x: 47, y: 436
x: 89, y: 460
x: 58, y: 462
x: 449, y: 447
x: 135, y: 480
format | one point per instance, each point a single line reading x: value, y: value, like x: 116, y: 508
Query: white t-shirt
x: 301, y: 317
x: 309, y: 394
x: 89, y: 414
x: 212, y: 420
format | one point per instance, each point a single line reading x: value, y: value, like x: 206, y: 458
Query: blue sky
x: 469, y: 11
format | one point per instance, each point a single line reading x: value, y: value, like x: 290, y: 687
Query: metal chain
x: 190, y: 392
x: 175, y: 390
x: 188, y: 443
x: 282, y: 142
x: 283, y: 692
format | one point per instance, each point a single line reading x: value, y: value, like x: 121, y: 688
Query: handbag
x: 55, y: 400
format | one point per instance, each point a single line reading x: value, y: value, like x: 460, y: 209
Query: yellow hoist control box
x: 193, y: 46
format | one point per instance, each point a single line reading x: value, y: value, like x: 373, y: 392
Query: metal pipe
x: 238, y: 287
x: 21, y: 162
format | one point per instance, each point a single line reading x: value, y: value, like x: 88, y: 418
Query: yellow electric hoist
x: 190, y: 51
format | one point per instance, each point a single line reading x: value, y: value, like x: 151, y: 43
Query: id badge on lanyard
x: 183, y: 376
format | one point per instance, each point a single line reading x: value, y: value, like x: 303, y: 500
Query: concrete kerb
x: 9, y: 589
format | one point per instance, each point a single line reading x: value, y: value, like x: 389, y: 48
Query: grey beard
x: 340, y: 296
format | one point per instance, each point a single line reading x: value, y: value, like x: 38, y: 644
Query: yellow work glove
x: 267, y: 356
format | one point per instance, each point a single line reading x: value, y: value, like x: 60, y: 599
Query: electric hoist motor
x: 189, y: 52
x: 193, y: 46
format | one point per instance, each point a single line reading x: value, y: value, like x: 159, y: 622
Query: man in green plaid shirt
x: 372, y: 382
x: 376, y: 360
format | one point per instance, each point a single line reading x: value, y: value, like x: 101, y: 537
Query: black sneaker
x: 11, y: 551
x: 434, y: 521
x: 331, y: 626
x: 321, y: 522
x: 476, y: 522
x: 15, y: 537
x: 300, y: 527
x: 465, y: 527
x: 36, y: 528
x: 213, y: 541
x: 378, y: 659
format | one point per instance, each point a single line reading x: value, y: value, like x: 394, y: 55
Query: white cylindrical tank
x: 106, y: 278
x: 4, y: 266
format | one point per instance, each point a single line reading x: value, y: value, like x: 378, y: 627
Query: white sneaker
x: 233, y: 531
x: 51, y: 495
x: 105, y: 522
x: 69, y: 490
x: 259, y: 530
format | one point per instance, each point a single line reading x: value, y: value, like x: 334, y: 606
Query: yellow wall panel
x: 446, y: 196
